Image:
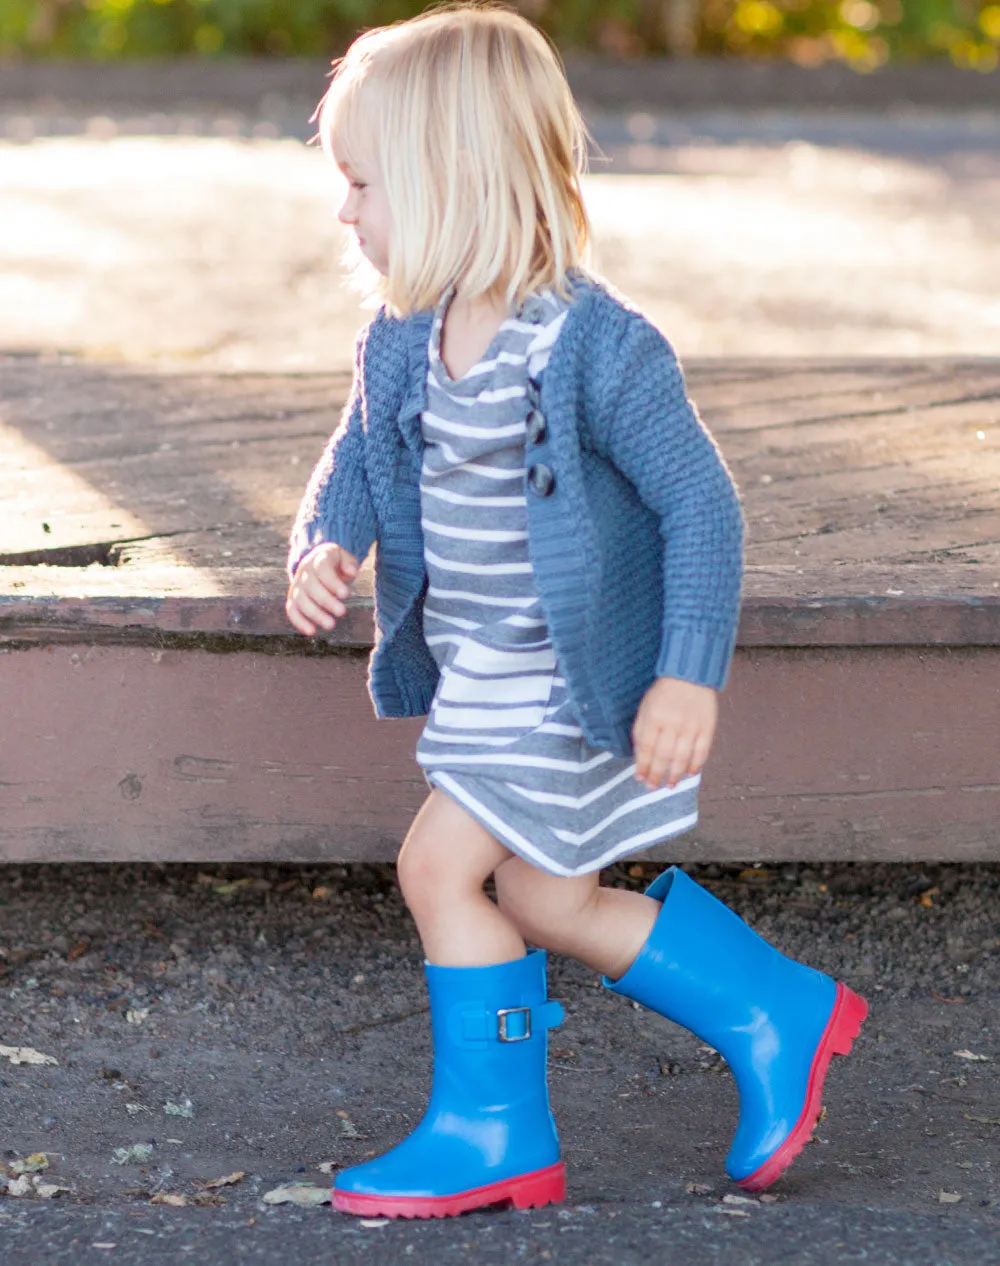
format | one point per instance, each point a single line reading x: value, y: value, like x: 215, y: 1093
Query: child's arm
x: 653, y: 435
x: 336, y: 521
x: 649, y: 429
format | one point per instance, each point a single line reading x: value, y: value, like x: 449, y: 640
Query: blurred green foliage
x: 864, y: 33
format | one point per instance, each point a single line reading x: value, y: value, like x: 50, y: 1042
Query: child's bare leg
x: 444, y: 862
x: 602, y: 927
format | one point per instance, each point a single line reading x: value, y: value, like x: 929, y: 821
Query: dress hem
x: 536, y: 857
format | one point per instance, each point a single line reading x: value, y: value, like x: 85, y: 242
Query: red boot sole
x: 527, y: 1191
x: 848, y: 1015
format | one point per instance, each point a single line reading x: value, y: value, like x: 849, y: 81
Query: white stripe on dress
x: 473, y: 534
x: 479, y: 569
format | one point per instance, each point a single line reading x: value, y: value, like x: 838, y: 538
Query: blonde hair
x: 466, y: 113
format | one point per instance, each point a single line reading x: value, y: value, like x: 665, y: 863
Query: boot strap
x: 507, y: 1024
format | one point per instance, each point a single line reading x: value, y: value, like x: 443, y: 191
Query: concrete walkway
x: 209, y: 239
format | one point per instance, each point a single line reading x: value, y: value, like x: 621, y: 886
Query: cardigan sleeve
x: 337, y: 504
x: 654, y: 436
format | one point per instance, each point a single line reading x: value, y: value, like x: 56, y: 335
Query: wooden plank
x: 178, y: 754
x: 259, y: 624
x: 868, y: 491
x: 859, y: 479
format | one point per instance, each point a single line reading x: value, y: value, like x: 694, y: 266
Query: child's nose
x: 346, y: 214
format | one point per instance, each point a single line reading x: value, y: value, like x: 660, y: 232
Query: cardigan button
x: 533, y: 310
x: 537, y: 430
x: 542, y: 480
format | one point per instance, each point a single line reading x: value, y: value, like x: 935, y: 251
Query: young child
x: 557, y: 574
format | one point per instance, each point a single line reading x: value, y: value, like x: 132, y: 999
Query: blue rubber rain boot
x: 776, y: 1022
x: 487, y: 1136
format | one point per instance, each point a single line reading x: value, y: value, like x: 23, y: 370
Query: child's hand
x: 673, y: 731
x: 321, y: 588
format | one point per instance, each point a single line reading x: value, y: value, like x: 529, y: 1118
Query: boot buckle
x: 502, y: 1015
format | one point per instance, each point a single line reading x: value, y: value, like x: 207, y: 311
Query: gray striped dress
x: 501, y: 736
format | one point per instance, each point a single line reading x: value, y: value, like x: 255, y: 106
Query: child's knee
x: 420, y: 869
x: 433, y: 872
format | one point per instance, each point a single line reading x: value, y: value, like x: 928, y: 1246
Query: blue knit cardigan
x: 636, y: 546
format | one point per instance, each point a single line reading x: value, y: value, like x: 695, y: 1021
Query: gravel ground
x: 282, y: 1008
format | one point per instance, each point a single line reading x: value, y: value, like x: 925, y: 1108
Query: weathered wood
x: 259, y: 624
x: 865, y: 479
x: 862, y: 714
x: 169, y: 755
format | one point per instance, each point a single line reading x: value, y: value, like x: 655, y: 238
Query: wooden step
x: 155, y: 703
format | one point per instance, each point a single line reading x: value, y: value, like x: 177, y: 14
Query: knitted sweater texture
x: 636, y: 540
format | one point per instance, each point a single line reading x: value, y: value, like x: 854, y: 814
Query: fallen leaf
x: 170, y: 1198
x: 228, y: 887
x: 25, y: 1055
x: 768, y: 1198
x: 328, y: 1167
x: 733, y: 1213
x: 948, y: 1197
x: 19, y: 1186
x: 926, y: 898
x: 31, y: 1164
x: 300, y: 1194
x: 737, y: 1200
x: 227, y: 1181
x: 697, y: 1189
x: 320, y: 893
x: 133, y: 1109
x: 47, y: 1190
x: 185, y: 1109
x: 136, y: 1015
x: 77, y: 950
x: 135, y: 1154
x: 941, y: 998
x: 977, y: 1059
x: 982, y: 1120
x: 369, y: 1223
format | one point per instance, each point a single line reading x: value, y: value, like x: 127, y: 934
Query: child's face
x: 366, y: 210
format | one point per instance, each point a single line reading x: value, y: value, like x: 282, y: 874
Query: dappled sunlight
x: 800, y: 251
x: 225, y: 253
x: 48, y: 506
x: 173, y: 248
